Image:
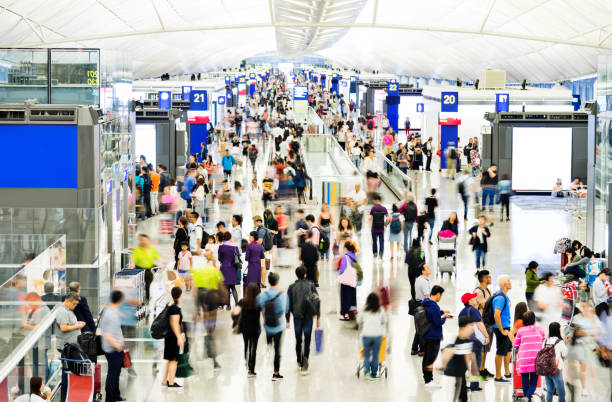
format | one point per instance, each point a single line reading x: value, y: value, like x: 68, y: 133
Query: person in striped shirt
x: 529, y: 340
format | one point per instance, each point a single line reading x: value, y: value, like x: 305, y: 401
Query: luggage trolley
x: 447, y: 255
x: 517, y: 383
x: 131, y: 282
x: 383, y: 368
x: 83, y: 380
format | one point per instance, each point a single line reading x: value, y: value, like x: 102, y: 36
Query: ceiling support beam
x: 486, y: 18
x: 506, y: 35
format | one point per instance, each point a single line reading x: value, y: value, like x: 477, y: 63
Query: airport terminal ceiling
x: 537, y: 40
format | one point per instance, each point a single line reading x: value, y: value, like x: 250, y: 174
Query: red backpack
x: 546, y: 360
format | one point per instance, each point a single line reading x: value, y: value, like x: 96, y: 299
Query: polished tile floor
x: 530, y: 235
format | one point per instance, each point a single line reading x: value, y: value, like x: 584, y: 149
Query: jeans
x: 371, y: 348
x: 250, y: 350
x: 276, y: 338
x: 115, y: 361
x: 380, y: 238
x: 480, y: 256
x: 417, y: 343
x: 488, y: 192
x: 465, y: 200
x: 460, y: 389
x: 431, y: 347
x: 432, y: 224
x: 408, y: 235
x: 356, y: 160
x: 553, y: 383
x: 302, y: 326
x: 530, y: 382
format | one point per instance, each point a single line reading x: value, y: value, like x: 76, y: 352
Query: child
x: 185, y: 264
x: 459, y: 362
x: 421, y: 221
x: 395, y: 231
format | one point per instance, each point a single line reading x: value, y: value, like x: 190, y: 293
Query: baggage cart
x: 517, y: 383
x: 131, y: 282
x: 447, y: 255
x: 83, y: 381
x: 383, y: 368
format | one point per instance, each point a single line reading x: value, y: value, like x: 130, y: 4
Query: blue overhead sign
x: 392, y: 88
x: 300, y: 93
x: 221, y: 100
x: 420, y: 107
x: 165, y: 100
x: 186, y: 92
x: 449, y: 102
x: 502, y: 103
x: 198, y: 100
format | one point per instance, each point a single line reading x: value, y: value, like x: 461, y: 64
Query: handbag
x: 237, y: 260
x: 184, y: 368
x: 127, y: 360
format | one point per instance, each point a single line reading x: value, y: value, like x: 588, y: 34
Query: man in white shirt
x: 549, y: 300
x: 601, y: 292
x: 196, y: 233
x: 358, y: 196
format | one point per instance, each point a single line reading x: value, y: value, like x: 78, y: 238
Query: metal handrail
x: 397, y: 170
x: 27, y: 344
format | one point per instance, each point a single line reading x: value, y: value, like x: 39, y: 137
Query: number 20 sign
x: 449, y: 102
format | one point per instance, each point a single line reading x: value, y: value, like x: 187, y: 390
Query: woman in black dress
x: 247, y: 317
x: 174, y: 340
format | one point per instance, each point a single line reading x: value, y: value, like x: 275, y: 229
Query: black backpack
x: 270, y: 316
x: 378, y: 219
x: 323, y: 241
x: 461, y: 187
x: 452, y: 154
x: 268, y: 240
x: 75, y: 356
x: 410, y: 212
x: 147, y: 184
x: 488, y: 315
x: 421, y: 323
x: 161, y: 324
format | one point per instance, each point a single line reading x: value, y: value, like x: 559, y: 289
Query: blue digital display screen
x: 54, y: 148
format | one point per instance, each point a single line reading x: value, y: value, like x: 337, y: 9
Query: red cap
x: 467, y: 297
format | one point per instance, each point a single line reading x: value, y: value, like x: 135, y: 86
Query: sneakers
x: 433, y: 384
x: 475, y: 389
x: 502, y: 381
x: 371, y: 378
x: 486, y: 373
x: 304, y: 368
x: 175, y: 386
x: 216, y: 366
x: 508, y: 376
x: 277, y: 377
x: 251, y: 374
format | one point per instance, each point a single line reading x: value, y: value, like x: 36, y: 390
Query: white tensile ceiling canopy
x: 539, y: 40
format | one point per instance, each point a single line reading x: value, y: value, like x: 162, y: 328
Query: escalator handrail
x: 13, y: 359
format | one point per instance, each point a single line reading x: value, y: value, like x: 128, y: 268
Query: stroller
x: 447, y: 255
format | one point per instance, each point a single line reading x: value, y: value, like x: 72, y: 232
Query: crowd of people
x: 233, y: 264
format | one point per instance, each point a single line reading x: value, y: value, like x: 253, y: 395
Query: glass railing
x: 28, y: 347
x: 397, y: 181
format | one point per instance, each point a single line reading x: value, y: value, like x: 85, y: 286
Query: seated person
x: 578, y: 268
x: 576, y: 187
x: 557, y: 190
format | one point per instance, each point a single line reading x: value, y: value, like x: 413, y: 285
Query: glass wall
x: 74, y: 76
x: 23, y: 75
x: 603, y: 151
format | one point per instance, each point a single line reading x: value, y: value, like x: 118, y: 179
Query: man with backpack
x: 309, y: 255
x: 274, y: 305
x: 483, y: 294
x: 304, y: 304
x: 421, y: 291
x: 266, y: 238
x: 253, y: 153
x: 379, y: 218
x: 433, y: 335
x: 410, y: 212
x: 497, y: 314
x: 451, y: 160
x: 479, y: 338
x: 147, y: 185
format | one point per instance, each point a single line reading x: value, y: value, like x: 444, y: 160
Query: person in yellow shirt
x: 145, y: 257
x: 208, y: 281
